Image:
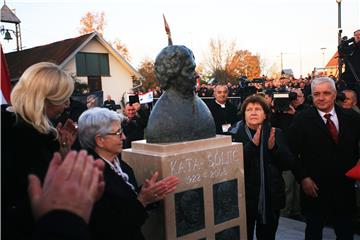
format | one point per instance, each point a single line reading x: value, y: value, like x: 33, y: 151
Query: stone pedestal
x: 209, y: 202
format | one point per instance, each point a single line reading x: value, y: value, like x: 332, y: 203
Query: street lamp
x: 281, y: 61
x: 339, y: 37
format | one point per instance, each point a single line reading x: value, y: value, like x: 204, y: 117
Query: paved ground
x: 290, y: 229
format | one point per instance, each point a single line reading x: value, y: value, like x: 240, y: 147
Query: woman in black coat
x: 120, y: 212
x: 266, y: 155
x: 29, y: 140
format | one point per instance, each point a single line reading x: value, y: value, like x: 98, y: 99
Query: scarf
x: 115, y: 166
x: 262, y: 208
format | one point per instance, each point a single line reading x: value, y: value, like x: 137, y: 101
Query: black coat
x: 326, y: 162
x: 227, y: 115
x: 134, y: 128
x: 118, y: 214
x: 351, y: 57
x: 109, y: 104
x: 23, y: 151
x: 276, y: 160
x: 61, y: 225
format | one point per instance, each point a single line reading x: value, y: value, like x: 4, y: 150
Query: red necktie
x: 332, y: 128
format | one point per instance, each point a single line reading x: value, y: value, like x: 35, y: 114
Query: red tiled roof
x: 55, y: 52
x: 333, y: 61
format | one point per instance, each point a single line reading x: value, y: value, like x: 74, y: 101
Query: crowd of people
x: 66, y: 179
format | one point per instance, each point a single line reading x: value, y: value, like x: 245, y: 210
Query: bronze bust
x: 179, y: 115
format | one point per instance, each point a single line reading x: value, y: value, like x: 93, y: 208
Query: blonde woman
x: 29, y: 139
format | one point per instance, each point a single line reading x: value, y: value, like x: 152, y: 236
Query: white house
x: 88, y: 57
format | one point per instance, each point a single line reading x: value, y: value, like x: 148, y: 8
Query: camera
x: 134, y: 99
x: 282, y: 100
x: 258, y: 80
x: 346, y: 46
x: 246, y: 88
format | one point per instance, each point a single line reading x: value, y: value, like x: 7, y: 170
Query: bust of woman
x: 179, y: 115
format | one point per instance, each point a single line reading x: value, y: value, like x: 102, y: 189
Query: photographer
x: 283, y: 119
x: 285, y: 108
x: 349, y: 51
x: 350, y: 100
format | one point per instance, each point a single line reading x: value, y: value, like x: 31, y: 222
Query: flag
x: 146, y: 97
x: 5, y: 80
x: 354, y: 173
x: 167, y: 30
x: 198, y: 82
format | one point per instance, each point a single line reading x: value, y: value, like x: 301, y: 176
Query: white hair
x: 321, y: 80
x: 93, y: 122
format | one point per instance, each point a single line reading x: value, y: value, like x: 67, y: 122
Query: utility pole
x: 339, y: 38
x: 323, y: 56
x: 281, y: 61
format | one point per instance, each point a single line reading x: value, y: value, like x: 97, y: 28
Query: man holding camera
x: 349, y: 51
x: 282, y: 118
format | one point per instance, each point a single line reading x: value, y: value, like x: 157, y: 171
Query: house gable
x: 60, y: 53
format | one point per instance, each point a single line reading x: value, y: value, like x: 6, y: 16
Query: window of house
x: 92, y: 64
x: 94, y: 83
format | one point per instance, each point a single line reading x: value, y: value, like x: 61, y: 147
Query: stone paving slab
x: 290, y: 229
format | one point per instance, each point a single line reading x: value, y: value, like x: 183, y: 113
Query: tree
x: 274, y: 71
x: 243, y: 63
x: 219, y: 54
x: 147, y: 70
x: 93, y: 22
x: 121, y: 47
x: 226, y: 64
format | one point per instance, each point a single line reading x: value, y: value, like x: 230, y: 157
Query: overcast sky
x: 298, y: 28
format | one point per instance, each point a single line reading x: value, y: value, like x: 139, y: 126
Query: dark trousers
x: 315, y: 223
x: 263, y: 231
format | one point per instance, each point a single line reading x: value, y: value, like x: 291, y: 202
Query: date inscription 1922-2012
x: 213, y: 164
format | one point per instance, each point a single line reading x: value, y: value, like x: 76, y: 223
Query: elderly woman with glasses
x: 120, y: 213
x: 266, y: 155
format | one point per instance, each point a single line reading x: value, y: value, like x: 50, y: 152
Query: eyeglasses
x: 117, y: 133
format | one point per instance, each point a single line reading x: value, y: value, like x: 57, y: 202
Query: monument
x: 179, y: 114
x: 209, y: 202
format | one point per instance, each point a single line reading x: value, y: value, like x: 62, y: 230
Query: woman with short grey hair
x: 97, y: 121
x: 122, y: 207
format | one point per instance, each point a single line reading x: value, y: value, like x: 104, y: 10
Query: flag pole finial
x: 167, y: 30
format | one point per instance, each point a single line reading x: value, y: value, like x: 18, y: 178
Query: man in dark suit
x: 327, y: 147
x: 109, y: 103
x: 223, y: 112
x: 136, y: 118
